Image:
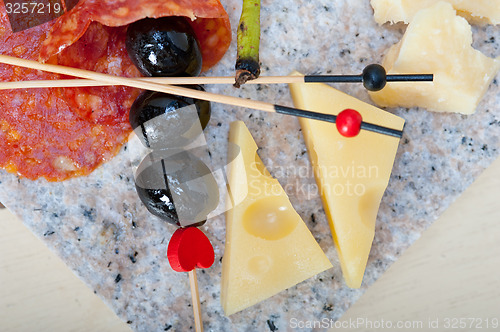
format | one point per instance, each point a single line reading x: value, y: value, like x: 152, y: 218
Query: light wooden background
x: 452, y: 272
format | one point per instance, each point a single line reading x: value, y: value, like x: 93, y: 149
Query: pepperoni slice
x: 52, y: 132
x: 59, y: 133
x: 208, y: 19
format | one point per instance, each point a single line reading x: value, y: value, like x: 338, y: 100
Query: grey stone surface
x: 99, y: 227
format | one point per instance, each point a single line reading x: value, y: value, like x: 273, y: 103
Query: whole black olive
x: 177, y: 186
x: 167, y: 121
x: 164, y: 46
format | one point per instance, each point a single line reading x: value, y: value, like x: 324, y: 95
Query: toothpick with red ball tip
x: 348, y: 119
x: 349, y: 122
x: 373, y: 77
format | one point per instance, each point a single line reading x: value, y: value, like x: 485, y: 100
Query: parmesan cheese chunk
x: 438, y: 42
x: 476, y: 11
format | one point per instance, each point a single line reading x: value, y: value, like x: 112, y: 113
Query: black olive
x: 177, y: 186
x: 164, y: 46
x: 167, y: 121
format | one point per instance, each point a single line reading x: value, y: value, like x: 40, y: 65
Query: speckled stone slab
x: 98, y: 226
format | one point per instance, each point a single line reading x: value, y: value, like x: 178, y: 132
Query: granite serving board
x: 101, y: 230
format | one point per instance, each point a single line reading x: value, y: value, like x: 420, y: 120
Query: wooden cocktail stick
x: 195, y: 299
x: 188, y: 249
x: 67, y: 83
x: 186, y: 92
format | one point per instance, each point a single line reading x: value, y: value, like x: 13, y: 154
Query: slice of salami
x: 208, y: 19
x: 59, y: 133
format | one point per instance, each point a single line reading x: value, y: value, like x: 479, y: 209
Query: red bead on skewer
x: 349, y: 122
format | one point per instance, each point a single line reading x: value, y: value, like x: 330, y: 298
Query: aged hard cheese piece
x: 439, y: 42
x: 351, y: 172
x: 268, y: 246
x: 477, y: 11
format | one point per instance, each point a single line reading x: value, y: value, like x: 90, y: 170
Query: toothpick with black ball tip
x: 191, y: 93
x: 374, y: 78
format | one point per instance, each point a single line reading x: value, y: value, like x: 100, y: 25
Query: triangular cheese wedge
x: 351, y: 173
x: 268, y: 247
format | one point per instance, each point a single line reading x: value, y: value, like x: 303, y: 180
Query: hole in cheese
x: 270, y: 218
x: 259, y: 265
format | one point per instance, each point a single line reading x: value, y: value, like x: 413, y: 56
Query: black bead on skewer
x: 374, y: 78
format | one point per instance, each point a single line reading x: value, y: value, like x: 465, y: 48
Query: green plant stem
x: 247, y: 63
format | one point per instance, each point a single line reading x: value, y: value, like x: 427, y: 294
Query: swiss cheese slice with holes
x: 268, y: 247
x: 352, y: 173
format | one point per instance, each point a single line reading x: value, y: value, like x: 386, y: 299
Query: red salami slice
x: 208, y: 19
x: 59, y: 133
